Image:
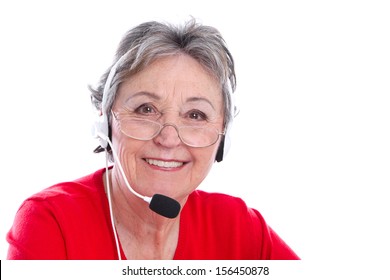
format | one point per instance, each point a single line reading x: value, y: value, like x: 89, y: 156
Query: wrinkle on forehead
x: 167, y: 78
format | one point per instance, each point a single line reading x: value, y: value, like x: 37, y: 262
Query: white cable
x: 111, y: 211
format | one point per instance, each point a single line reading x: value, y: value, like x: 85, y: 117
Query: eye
x: 197, y: 115
x: 146, y: 109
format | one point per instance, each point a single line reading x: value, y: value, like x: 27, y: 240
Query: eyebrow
x: 196, y: 99
x: 143, y: 93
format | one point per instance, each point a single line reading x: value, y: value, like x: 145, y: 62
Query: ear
x: 221, y: 148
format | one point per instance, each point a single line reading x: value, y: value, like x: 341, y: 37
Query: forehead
x: 173, y: 77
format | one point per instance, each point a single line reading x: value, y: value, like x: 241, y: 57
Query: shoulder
x: 70, y: 213
x: 222, y: 209
x: 65, y: 201
x: 80, y: 188
x: 221, y: 226
x: 224, y: 220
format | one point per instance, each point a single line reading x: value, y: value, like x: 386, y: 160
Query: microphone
x: 165, y: 206
x: 159, y: 203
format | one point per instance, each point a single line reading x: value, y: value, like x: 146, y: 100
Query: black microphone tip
x: 165, y: 206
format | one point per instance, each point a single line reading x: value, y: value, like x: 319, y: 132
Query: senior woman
x: 165, y: 109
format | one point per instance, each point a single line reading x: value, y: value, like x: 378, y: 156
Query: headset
x: 161, y: 204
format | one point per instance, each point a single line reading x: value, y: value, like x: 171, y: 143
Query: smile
x: 164, y: 164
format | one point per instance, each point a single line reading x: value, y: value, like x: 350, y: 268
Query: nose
x: 168, y: 136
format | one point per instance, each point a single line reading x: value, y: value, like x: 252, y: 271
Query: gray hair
x: 151, y: 40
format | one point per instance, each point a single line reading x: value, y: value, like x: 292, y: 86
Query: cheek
x: 204, y: 160
x: 125, y: 147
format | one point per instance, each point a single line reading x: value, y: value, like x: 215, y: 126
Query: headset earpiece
x: 220, y: 153
x: 224, y: 145
x: 101, y: 130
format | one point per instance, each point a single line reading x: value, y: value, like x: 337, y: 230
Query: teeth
x: 167, y: 164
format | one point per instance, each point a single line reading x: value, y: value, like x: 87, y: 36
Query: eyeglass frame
x: 162, y: 126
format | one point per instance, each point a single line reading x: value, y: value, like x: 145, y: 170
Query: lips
x: 164, y: 164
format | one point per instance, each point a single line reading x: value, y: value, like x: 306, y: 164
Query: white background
x: 310, y: 146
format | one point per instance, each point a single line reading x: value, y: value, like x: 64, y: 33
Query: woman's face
x: 175, y: 90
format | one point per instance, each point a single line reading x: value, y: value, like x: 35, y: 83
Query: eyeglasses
x: 144, y: 129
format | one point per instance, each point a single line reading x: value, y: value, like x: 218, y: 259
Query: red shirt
x: 71, y: 221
